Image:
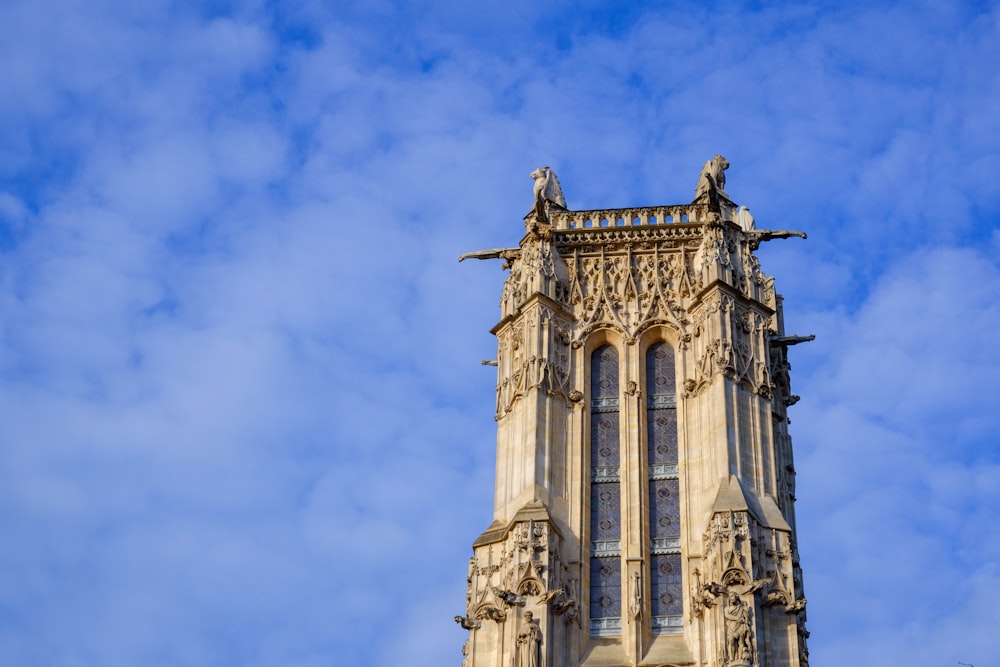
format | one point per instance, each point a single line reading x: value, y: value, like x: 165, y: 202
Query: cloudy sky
x: 242, y: 416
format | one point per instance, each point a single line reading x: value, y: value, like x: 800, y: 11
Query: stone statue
x: 528, y: 641
x: 547, y: 187
x: 713, y: 177
x: 739, y: 632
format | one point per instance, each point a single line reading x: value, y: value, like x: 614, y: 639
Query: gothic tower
x: 643, y: 512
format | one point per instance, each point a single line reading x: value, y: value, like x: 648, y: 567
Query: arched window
x: 605, y: 495
x: 664, y: 490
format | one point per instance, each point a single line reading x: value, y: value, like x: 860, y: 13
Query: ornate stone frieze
x: 522, y: 567
x: 534, y: 271
x: 629, y: 291
x: 729, y: 338
x: 746, y: 569
x: 669, y: 237
x: 533, y: 354
x: 725, y: 254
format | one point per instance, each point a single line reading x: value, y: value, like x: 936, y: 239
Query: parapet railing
x: 630, y: 217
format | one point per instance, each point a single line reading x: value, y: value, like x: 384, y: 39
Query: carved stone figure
x: 493, y: 614
x: 468, y: 623
x: 528, y: 641
x: 552, y: 595
x: 568, y: 607
x: 509, y: 597
x: 739, y: 632
x: 796, y: 606
x: 547, y: 187
x: 713, y: 176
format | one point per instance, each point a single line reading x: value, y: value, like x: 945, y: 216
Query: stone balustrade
x: 631, y: 217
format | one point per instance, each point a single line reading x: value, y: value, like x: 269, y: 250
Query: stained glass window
x: 605, y: 593
x: 605, y: 495
x: 667, y: 604
x: 664, y: 489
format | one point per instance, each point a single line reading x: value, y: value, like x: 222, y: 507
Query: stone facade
x: 643, y: 511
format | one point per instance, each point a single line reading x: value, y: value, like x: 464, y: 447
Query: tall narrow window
x: 664, y: 490
x: 605, y: 496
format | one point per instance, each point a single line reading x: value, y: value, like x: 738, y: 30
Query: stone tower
x: 643, y: 512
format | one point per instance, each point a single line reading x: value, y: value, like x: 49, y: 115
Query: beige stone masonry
x: 631, y: 277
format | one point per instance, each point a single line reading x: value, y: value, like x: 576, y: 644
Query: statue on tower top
x: 713, y: 177
x: 547, y: 187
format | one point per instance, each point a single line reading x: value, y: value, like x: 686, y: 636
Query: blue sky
x: 242, y: 416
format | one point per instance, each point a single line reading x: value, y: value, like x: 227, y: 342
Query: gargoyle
x: 468, y: 623
x: 506, y: 254
x: 509, y: 597
x: 567, y: 607
x: 715, y: 589
x: 550, y: 596
x: 786, y: 341
x: 758, y: 236
x: 796, y: 606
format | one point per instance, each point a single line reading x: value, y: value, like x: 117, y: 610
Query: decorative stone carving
x: 468, y: 623
x: 554, y: 594
x: 493, y: 614
x: 519, y: 371
x: 567, y: 605
x: 796, y: 606
x: 510, y: 598
x: 530, y: 581
x: 635, y: 595
x: 702, y: 596
x: 733, y: 346
x: 643, y: 288
x: 561, y: 603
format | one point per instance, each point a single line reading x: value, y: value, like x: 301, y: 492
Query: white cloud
x: 243, y: 419
x: 894, y: 437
